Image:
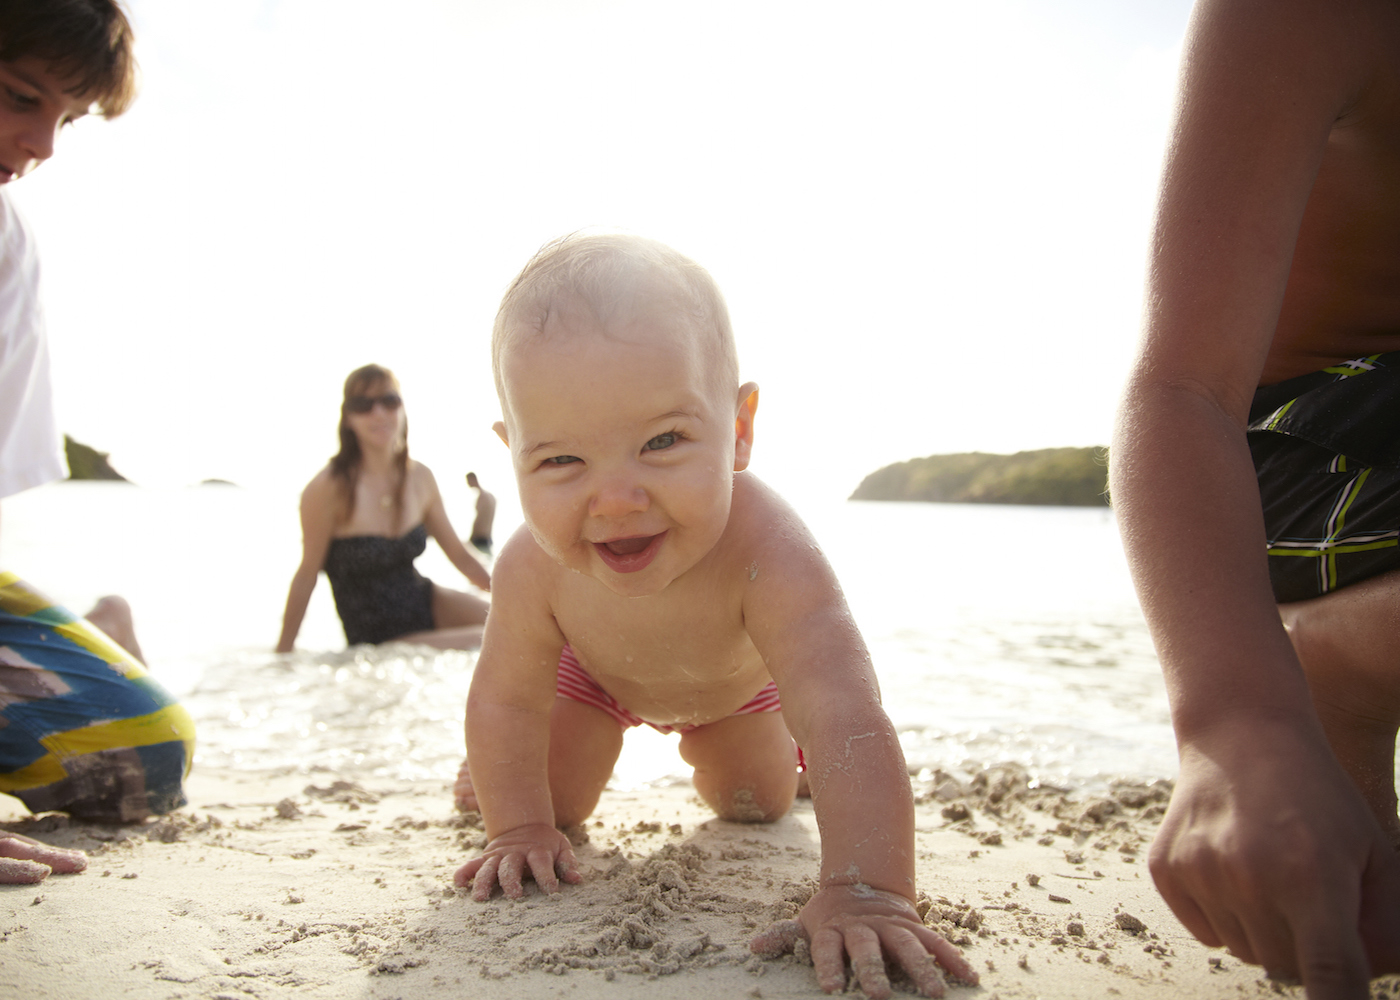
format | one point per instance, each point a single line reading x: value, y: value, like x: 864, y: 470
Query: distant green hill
x: 1063, y: 477
x: 85, y: 462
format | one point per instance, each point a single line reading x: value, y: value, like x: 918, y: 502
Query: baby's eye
x: 661, y: 442
x: 560, y: 460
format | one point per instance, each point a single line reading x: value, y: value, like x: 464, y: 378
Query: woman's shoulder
x: 325, y: 487
x: 420, y: 478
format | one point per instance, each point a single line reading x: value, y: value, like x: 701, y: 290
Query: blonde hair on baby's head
x: 611, y: 277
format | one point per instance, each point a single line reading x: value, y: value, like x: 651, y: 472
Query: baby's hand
x: 543, y: 848
x: 866, y: 924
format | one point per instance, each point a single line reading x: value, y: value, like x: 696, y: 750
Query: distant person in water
x: 366, y: 517
x: 84, y: 729
x: 485, y: 515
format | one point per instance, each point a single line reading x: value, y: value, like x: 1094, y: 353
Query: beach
x: 315, y: 857
x: 329, y: 886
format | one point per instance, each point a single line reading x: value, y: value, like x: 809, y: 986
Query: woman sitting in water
x: 365, y: 518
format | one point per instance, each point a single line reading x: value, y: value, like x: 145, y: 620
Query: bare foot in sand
x: 25, y: 861
x: 463, y: 792
x: 113, y: 615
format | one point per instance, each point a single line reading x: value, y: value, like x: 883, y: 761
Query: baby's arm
x: 508, y: 709
x: 1267, y: 846
x: 864, y: 907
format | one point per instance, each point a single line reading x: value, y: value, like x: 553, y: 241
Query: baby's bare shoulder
x: 776, y: 553
x: 522, y: 564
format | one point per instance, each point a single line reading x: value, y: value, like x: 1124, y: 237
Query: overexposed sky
x: 929, y: 217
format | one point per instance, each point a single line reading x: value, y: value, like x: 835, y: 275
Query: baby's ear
x: 743, y: 425
x: 500, y: 428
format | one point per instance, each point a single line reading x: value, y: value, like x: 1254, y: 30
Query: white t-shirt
x: 31, y: 452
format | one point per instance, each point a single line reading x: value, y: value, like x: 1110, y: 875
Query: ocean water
x: 999, y: 634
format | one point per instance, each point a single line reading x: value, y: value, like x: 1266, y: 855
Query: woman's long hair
x: 345, y: 464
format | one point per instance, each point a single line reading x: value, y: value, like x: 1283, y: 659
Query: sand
x: 315, y: 886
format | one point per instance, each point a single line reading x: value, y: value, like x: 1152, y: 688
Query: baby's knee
x: 742, y: 805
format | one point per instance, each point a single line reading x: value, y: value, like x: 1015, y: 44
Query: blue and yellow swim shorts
x: 83, y: 727
x: 1326, y: 450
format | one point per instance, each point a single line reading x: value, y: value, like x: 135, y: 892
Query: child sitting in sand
x: 658, y: 582
x: 1256, y: 475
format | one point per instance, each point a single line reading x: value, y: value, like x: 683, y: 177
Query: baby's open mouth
x: 629, y: 555
x: 628, y: 546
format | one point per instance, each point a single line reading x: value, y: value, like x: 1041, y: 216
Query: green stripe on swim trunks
x: 1352, y: 494
x: 1278, y: 415
x: 1347, y: 370
x: 1314, y: 553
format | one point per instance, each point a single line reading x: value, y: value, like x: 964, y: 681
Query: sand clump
x: 276, y: 888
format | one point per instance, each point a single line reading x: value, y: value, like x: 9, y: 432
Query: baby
x: 658, y: 582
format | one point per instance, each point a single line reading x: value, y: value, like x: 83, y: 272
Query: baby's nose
x: 618, y: 496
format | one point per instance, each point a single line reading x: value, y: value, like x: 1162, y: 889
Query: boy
x: 1263, y: 416
x: 83, y: 728
x: 656, y: 581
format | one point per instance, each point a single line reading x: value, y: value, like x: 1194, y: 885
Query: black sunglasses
x: 391, y: 401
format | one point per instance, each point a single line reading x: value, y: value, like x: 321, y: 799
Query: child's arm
x: 864, y: 908
x: 508, y: 709
x: 1267, y: 846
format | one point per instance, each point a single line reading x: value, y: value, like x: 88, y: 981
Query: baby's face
x: 624, y: 448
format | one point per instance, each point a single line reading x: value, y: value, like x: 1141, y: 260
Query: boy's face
x: 624, y: 447
x: 33, y: 108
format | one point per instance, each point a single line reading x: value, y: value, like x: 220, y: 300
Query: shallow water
x: 998, y: 633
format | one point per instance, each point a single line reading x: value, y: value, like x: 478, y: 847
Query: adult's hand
x: 1268, y: 849
x: 24, y: 860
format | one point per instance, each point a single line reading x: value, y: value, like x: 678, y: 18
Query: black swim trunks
x: 378, y: 594
x: 1326, y: 450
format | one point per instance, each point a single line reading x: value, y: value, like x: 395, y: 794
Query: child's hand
x: 866, y: 924
x: 541, y: 847
x: 24, y: 860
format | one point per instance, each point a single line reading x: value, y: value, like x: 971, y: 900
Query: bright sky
x: 929, y: 217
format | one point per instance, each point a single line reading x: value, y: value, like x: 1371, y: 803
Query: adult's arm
x: 440, y: 528
x: 1267, y: 846
x: 318, y: 509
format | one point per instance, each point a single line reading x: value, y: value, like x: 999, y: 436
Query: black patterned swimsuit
x: 378, y: 594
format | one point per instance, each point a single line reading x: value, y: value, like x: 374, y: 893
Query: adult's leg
x: 459, y: 619
x: 583, y: 746
x: 1347, y: 642
x: 745, y: 766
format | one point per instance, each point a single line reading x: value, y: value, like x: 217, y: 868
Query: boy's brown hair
x: 87, y: 43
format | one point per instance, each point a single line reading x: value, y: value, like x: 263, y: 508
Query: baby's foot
x: 463, y: 792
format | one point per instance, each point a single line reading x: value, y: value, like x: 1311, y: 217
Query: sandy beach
x: 321, y: 887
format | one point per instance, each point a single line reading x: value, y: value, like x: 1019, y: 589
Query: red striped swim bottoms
x: 575, y: 684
